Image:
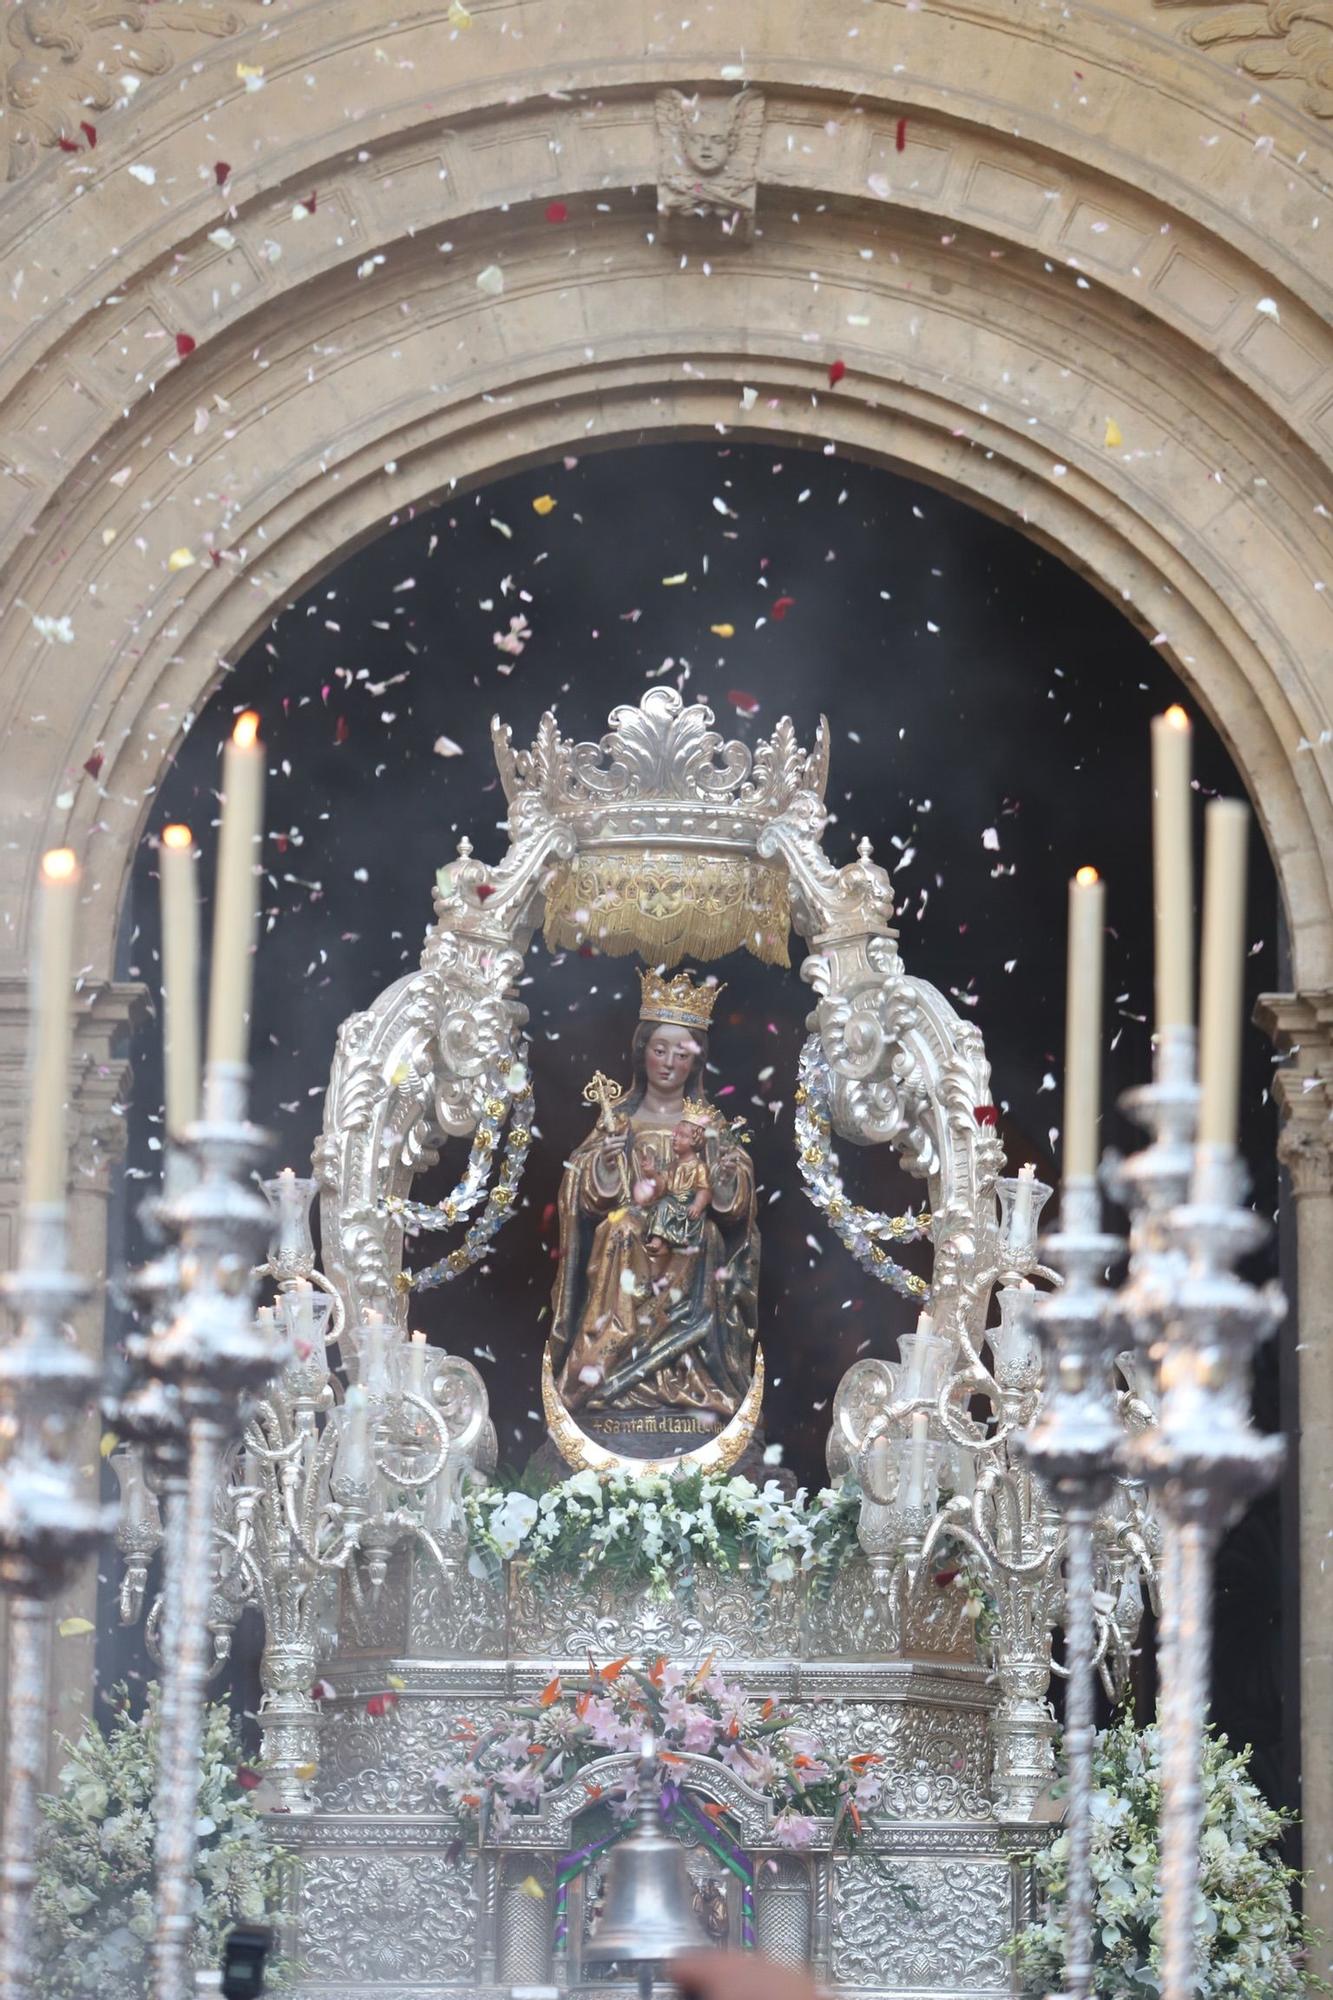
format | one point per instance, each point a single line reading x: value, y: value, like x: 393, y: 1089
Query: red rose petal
x: 89, y: 132
x: 837, y: 369
x: 900, y: 136
x: 381, y: 1704
x: 340, y: 730
x: 216, y: 554
x: 484, y: 889
x: 310, y: 201
x: 747, y: 704
x: 280, y: 840
x: 68, y: 145
x: 246, y: 1778
x: 93, y: 765
x: 782, y: 606
x: 985, y: 1114
x: 221, y: 171
x: 185, y: 344
x: 556, y: 211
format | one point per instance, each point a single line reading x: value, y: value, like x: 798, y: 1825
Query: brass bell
x: 648, y: 1911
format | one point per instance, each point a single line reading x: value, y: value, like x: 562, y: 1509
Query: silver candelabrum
x: 937, y: 1445
x: 48, y: 1529
x: 361, y: 1443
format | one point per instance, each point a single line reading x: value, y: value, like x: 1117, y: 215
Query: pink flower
x: 605, y: 1727
x: 793, y: 1829
x: 700, y: 1731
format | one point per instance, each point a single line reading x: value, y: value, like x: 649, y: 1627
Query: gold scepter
x: 610, y: 1096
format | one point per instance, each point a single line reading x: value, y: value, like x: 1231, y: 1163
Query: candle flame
x: 246, y: 732
x: 1085, y: 877
x: 60, y: 864
x: 1176, y: 716
x: 177, y: 836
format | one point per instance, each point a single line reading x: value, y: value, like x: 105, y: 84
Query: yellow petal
x: 724, y: 631
x: 394, y: 1681
x: 180, y: 559
x: 245, y: 70
x: 543, y: 504
x: 306, y: 1771
x: 532, y: 1887
x: 1113, y: 437
x: 108, y: 537
x: 682, y: 578
x: 109, y: 1443
x: 400, y: 1074
x: 75, y: 1628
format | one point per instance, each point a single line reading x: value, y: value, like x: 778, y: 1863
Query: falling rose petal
x: 75, y: 1628
x: 723, y: 631
x: 185, y: 344
x: 744, y: 703
x: 491, y: 280
x: 221, y: 171
x: 381, y: 1704
x: 485, y: 890
x: 781, y: 606
x: 556, y: 211
x: 837, y: 369
x: 1113, y: 435
x: 446, y: 747
x: 93, y: 765
x: 322, y: 1691
x: 985, y: 1114
x: 89, y: 132
x: 68, y: 145
x: 543, y: 504
x: 340, y: 730
x: 900, y: 136
x: 247, y: 1779
x: 181, y: 559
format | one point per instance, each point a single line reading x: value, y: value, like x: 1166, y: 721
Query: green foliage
x: 1252, y: 1942
x: 93, y: 1907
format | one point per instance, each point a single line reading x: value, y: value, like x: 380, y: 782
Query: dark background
x: 972, y: 682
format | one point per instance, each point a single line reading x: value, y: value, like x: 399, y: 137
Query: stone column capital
x: 99, y: 1082
x: 1301, y: 1026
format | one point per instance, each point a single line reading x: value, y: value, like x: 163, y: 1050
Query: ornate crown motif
x: 694, y: 1111
x: 663, y: 777
x: 678, y: 1000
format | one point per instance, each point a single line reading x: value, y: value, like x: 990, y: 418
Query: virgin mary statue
x: 655, y: 1303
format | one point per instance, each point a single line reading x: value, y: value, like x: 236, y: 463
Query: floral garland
x: 93, y: 1901
x: 652, y: 1528
x: 506, y: 1773
x: 859, y: 1230
x: 1251, y: 1942
x: 508, y: 1096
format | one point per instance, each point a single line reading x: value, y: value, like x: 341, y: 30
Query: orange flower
x: 616, y: 1668
x: 863, y: 1758
x: 550, y: 1694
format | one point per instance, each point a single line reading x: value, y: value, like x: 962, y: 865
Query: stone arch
x: 1081, y: 228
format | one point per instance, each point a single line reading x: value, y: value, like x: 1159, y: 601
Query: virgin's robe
x: 618, y: 1302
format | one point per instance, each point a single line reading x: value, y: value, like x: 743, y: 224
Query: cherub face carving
x: 706, y: 135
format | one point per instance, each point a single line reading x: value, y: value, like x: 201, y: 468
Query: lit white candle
x: 177, y: 862
x: 1173, y: 872
x: 51, y: 1025
x: 1021, y: 1212
x: 235, y: 907
x: 1226, y: 838
x: 1083, y: 1023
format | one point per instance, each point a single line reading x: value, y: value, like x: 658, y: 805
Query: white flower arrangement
x: 93, y: 1905
x: 650, y: 1528
x: 1252, y: 1942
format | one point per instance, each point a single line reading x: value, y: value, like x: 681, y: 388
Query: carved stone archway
x: 309, y: 265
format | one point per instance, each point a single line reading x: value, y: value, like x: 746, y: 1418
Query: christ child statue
x: 682, y: 1194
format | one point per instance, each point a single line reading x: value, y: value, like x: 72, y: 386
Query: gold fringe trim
x: 668, y: 906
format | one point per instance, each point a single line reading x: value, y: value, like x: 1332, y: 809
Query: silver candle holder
x: 213, y: 1352
x: 49, y: 1527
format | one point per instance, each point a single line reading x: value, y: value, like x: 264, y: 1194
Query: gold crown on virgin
x: 678, y: 1001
